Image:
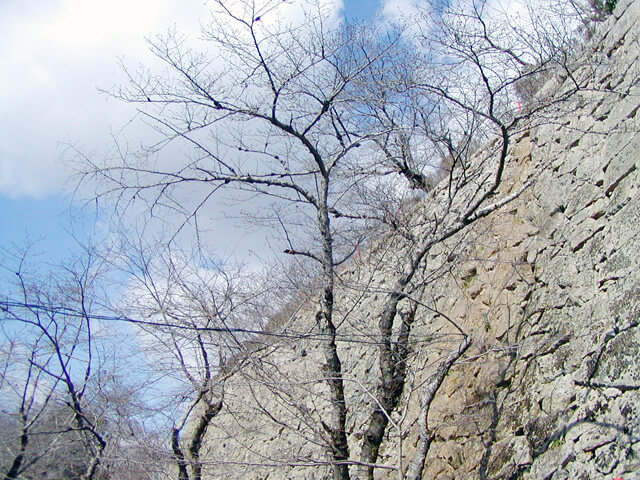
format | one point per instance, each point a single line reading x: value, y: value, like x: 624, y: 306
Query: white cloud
x: 57, y: 53
x: 82, y: 24
x: 395, y: 10
x: 55, y: 56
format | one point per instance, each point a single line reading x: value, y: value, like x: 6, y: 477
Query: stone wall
x: 548, y: 287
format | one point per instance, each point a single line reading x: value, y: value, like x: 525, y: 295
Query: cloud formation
x: 56, y: 54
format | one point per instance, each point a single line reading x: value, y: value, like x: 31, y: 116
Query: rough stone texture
x: 549, y: 288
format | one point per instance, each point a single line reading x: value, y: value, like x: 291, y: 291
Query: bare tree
x: 49, y: 373
x: 191, y: 318
x: 71, y: 406
x: 274, y: 105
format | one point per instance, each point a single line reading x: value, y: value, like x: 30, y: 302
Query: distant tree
x: 50, y: 366
x: 191, y: 319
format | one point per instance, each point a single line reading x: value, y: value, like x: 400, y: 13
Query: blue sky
x: 41, y: 222
x: 56, y: 54
x: 360, y: 9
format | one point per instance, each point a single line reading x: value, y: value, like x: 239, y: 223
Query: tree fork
x: 393, y: 358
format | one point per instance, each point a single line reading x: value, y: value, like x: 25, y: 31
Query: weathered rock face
x: 549, y: 289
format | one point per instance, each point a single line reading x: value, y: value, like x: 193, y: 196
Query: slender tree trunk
x: 196, y: 442
x: 14, y: 471
x: 431, y: 387
x: 336, y: 428
x: 183, y: 474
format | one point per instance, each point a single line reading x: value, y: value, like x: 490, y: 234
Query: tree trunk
x: 393, y: 372
x: 196, y: 442
x: 336, y: 428
x: 183, y: 474
x: 14, y: 471
x: 430, y: 389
